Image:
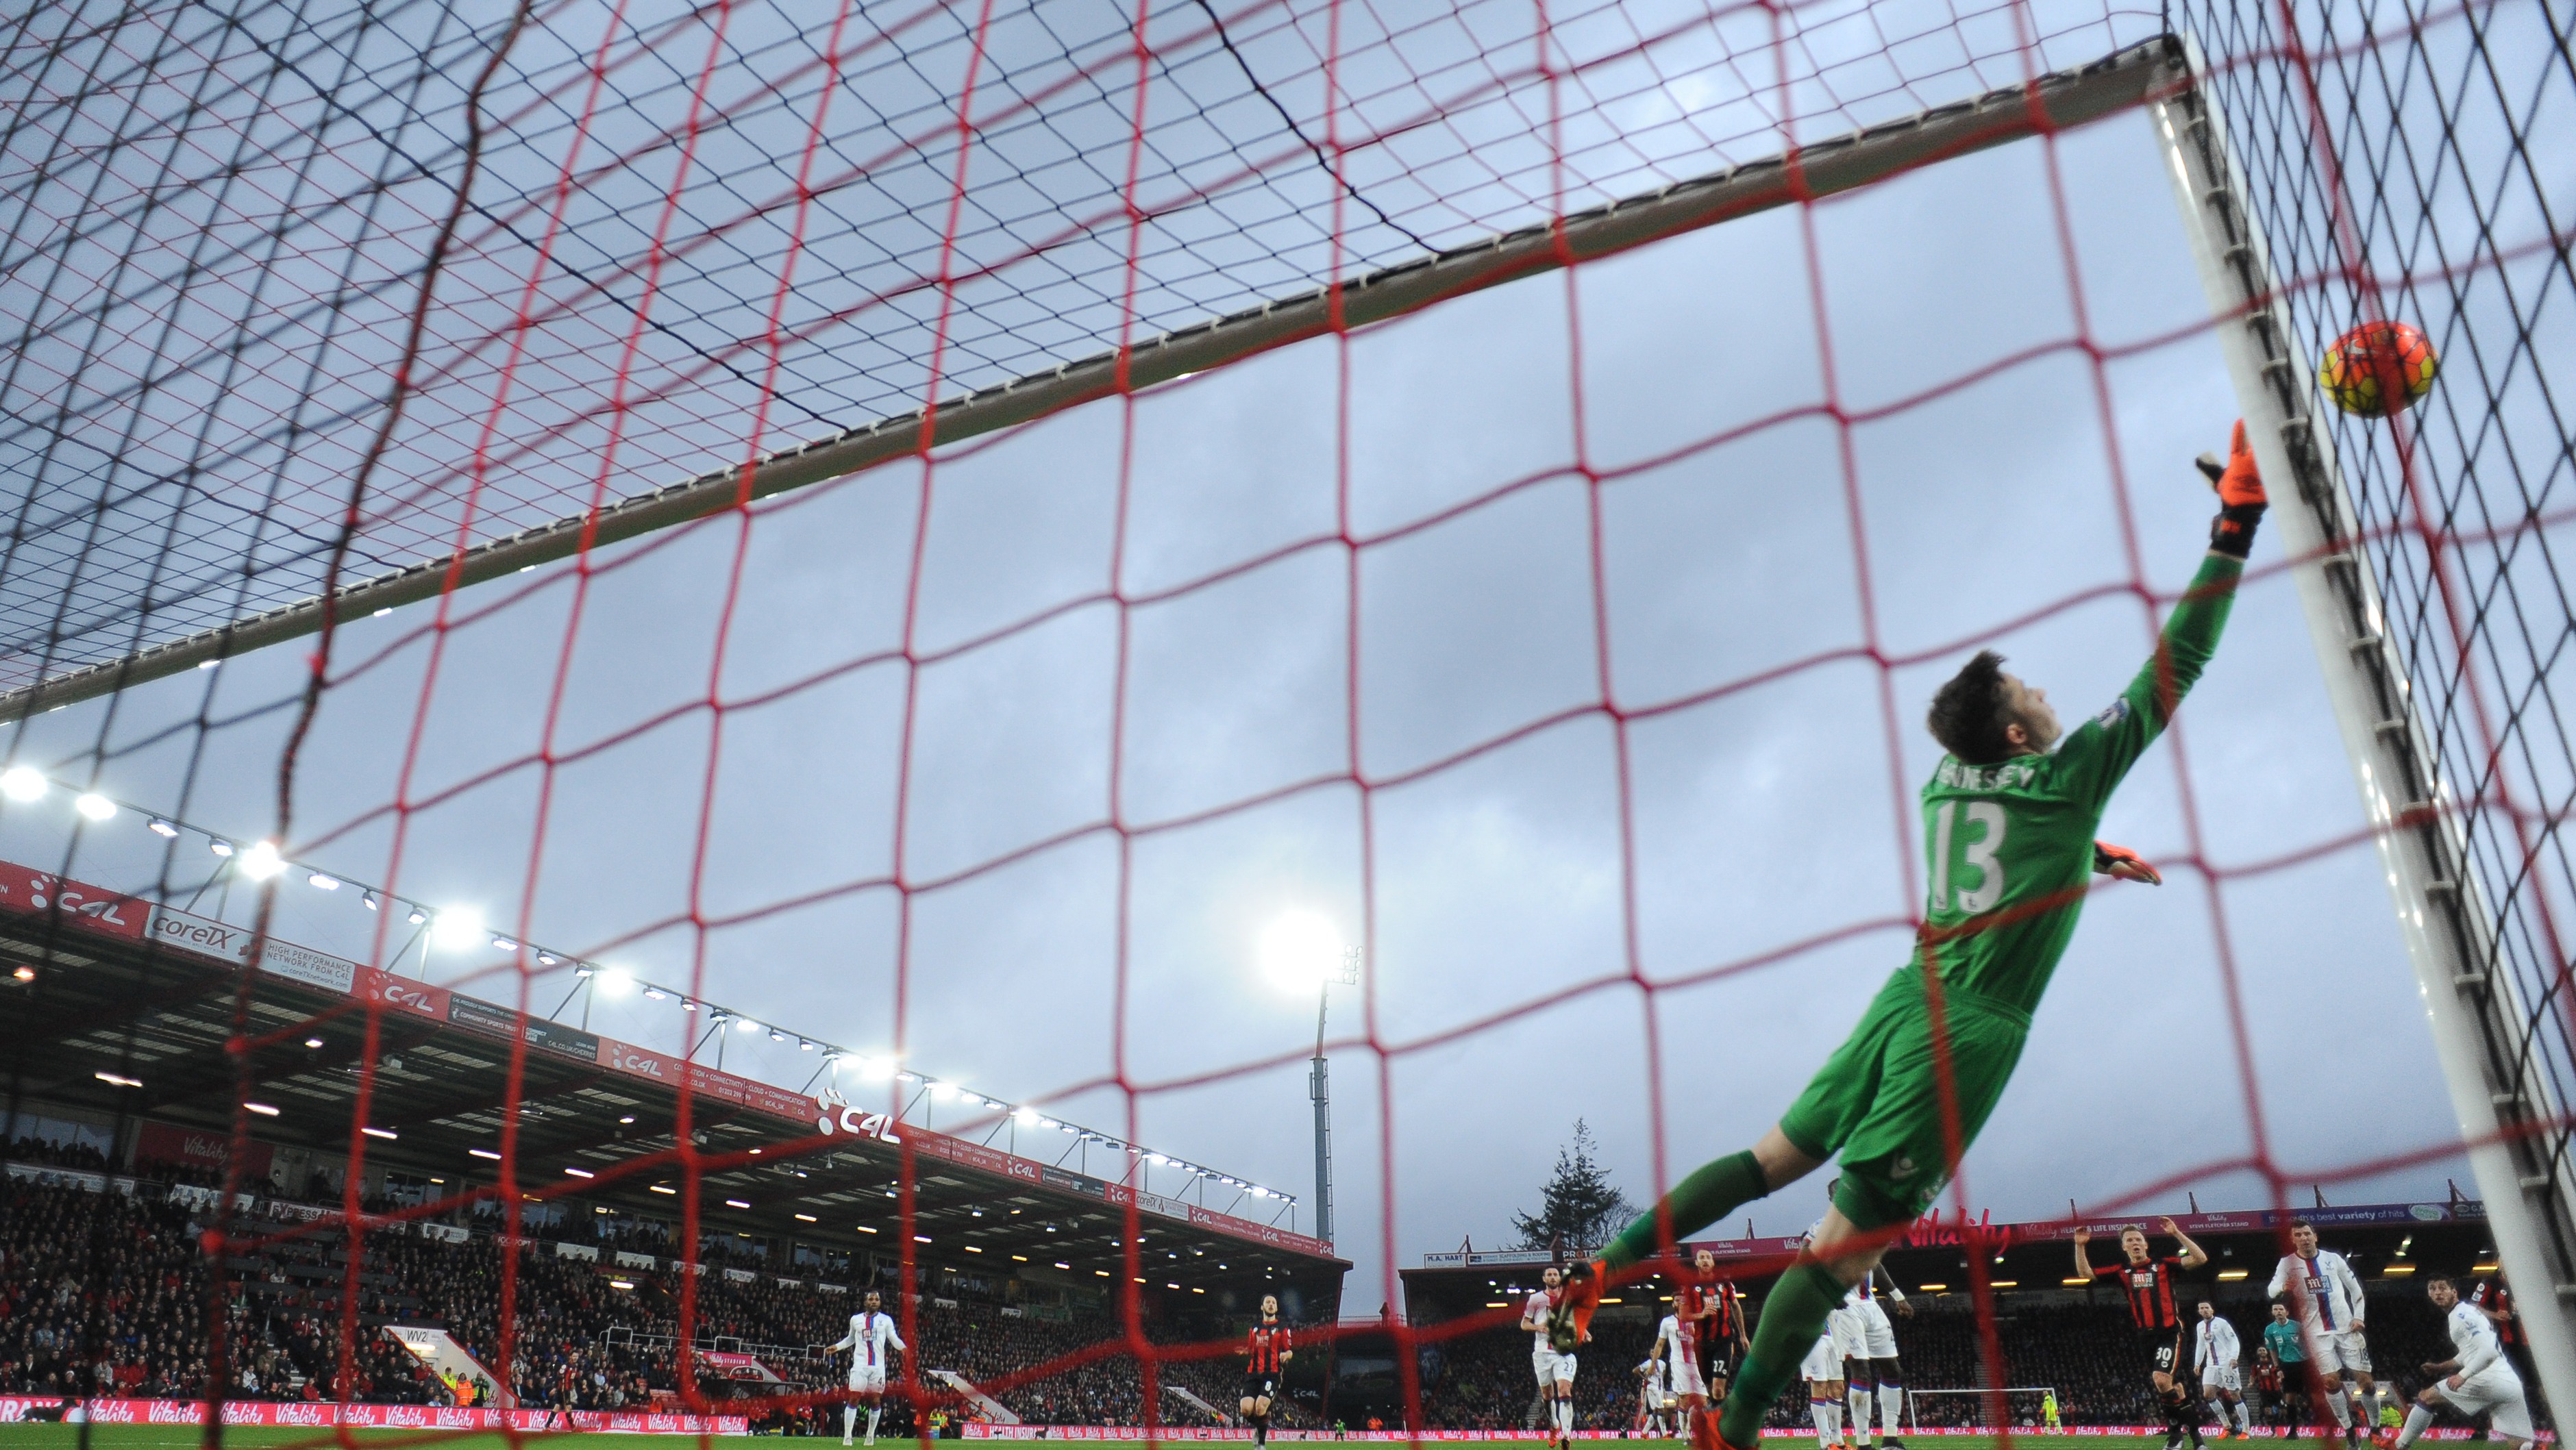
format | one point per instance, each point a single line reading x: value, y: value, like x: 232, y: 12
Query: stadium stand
x: 108, y: 1292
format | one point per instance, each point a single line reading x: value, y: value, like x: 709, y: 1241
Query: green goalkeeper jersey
x: 2010, y: 847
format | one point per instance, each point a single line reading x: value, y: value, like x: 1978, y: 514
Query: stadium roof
x: 127, y: 1007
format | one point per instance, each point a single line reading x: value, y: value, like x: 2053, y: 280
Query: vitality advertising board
x: 16, y: 1409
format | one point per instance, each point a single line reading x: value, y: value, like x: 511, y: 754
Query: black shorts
x: 1712, y: 1364
x: 1258, y: 1385
x: 2162, y: 1350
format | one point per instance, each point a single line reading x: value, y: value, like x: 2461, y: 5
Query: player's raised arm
x: 2104, y: 747
x: 2083, y: 1265
x: 2192, y: 1254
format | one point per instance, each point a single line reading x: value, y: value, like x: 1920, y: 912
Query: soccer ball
x: 2378, y: 369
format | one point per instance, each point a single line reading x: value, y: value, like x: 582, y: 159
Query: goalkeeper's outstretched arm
x: 2100, y: 752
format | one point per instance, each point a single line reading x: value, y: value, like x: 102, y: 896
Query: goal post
x: 2492, y: 1044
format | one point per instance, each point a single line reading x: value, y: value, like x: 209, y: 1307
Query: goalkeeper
x: 2009, y: 834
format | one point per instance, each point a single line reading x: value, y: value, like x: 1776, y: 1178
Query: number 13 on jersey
x: 1965, y: 837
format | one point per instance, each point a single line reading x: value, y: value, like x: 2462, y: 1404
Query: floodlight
x: 261, y: 861
x: 456, y: 928
x: 95, y: 806
x: 20, y: 783
x: 162, y: 828
x: 1301, y: 950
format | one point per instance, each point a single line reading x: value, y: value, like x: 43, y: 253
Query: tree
x: 1578, y: 1208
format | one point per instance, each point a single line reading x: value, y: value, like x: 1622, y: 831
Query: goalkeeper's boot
x: 1569, y: 1319
x: 1704, y: 1433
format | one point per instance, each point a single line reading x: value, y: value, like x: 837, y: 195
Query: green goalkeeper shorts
x: 1877, y: 1101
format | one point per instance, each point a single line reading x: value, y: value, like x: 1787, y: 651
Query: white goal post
x: 2016, y: 1398
x: 2483, y: 1032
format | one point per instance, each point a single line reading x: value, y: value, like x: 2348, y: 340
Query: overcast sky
x: 1488, y: 889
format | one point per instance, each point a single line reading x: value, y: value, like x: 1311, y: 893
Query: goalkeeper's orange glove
x: 2124, y: 863
x: 2241, y: 500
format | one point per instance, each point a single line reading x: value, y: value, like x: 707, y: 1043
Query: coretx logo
x: 837, y: 1115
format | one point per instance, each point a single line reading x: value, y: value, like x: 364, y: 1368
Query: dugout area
x: 124, y: 1045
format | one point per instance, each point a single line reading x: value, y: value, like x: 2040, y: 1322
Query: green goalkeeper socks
x: 1791, y: 1319
x: 1716, y: 1189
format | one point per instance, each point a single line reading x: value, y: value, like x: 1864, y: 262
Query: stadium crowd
x: 105, y: 1293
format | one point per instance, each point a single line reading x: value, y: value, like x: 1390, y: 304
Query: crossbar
x: 2053, y: 102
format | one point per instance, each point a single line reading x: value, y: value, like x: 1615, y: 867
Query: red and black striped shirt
x: 2495, y: 1298
x: 1713, y: 1308
x: 2150, y: 1287
x: 1269, y: 1341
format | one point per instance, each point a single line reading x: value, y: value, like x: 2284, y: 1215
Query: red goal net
x: 669, y: 667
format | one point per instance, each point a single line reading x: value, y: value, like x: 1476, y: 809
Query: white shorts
x: 2339, y: 1352
x: 2497, y: 1390
x: 1686, y: 1380
x: 2214, y: 1377
x: 1851, y: 1341
x: 867, y: 1379
x: 1876, y: 1334
x: 1824, y: 1362
x: 1551, y: 1367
